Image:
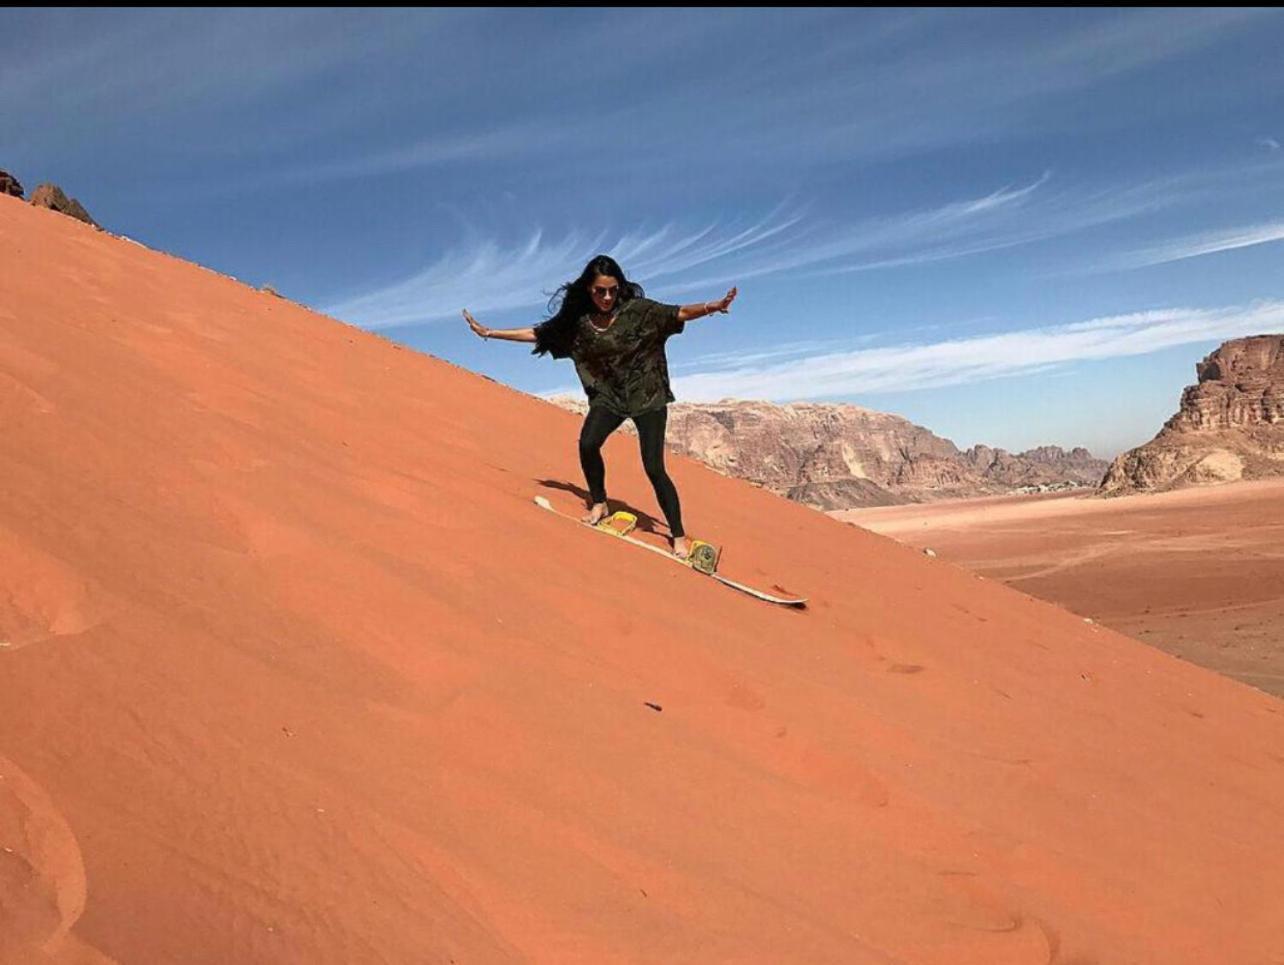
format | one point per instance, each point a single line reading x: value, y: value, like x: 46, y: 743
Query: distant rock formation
x: 1230, y: 425
x: 1042, y: 466
x: 51, y: 196
x: 835, y: 457
x: 9, y: 185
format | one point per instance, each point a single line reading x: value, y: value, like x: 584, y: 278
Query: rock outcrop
x: 51, y: 196
x: 1042, y: 466
x: 1230, y: 425
x: 10, y: 185
x: 835, y: 457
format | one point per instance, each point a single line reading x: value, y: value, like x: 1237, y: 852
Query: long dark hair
x: 572, y: 301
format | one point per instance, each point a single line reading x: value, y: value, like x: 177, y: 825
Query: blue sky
x: 1012, y: 227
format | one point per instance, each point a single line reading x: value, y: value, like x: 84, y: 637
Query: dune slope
x: 294, y: 671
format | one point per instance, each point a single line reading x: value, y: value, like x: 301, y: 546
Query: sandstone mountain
x: 834, y: 457
x: 1230, y: 425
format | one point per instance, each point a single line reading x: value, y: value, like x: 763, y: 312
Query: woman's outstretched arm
x: 509, y: 334
x: 687, y: 312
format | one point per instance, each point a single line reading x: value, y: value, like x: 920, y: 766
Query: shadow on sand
x: 646, y: 522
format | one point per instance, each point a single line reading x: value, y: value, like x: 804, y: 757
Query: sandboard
x: 605, y: 527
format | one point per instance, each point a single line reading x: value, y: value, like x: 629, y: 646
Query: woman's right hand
x: 476, y: 326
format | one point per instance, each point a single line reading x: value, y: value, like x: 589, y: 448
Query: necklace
x: 601, y: 329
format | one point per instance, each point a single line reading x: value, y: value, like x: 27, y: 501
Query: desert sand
x: 293, y: 670
x: 1198, y: 572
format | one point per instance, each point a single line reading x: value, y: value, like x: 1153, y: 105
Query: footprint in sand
x: 42, y: 597
x: 19, y: 401
x: 743, y: 697
x: 42, y: 878
x: 985, y: 926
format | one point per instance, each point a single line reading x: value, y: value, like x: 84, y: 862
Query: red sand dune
x: 296, y: 672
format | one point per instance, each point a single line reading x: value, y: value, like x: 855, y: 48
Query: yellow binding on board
x: 618, y: 523
x: 703, y: 556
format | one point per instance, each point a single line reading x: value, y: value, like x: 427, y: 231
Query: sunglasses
x: 601, y: 292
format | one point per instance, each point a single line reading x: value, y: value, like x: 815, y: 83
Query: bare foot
x: 595, y: 514
x: 682, y: 547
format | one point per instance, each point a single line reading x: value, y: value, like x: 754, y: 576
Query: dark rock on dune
x: 51, y: 196
x: 9, y: 185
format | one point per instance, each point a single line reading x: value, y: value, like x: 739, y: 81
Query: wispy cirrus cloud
x: 479, y: 274
x: 907, y: 367
x: 485, y: 275
x: 1206, y: 243
x: 95, y: 65
x: 786, y: 350
x: 961, y: 89
x: 526, y: 138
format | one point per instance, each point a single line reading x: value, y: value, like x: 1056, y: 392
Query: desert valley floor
x: 1198, y: 573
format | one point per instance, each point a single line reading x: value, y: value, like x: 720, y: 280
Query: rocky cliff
x: 842, y: 456
x: 1230, y: 425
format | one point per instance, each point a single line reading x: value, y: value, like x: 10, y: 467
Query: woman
x: 616, y: 338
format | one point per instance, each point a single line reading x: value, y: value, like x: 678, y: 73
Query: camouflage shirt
x: 624, y: 368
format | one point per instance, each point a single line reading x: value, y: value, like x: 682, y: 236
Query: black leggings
x: 599, y: 424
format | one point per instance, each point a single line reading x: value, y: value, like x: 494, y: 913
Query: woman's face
x: 605, y: 292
